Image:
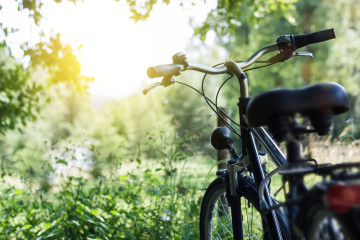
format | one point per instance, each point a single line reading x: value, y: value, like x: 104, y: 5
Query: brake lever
x: 308, y: 54
x: 285, y: 55
x: 151, y: 87
x: 167, y: 81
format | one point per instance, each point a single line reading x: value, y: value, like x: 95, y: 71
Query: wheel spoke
x: 222, y: 198
x: 215, y: 215
x: 221, y: 223
x: 216, y: 219
x: 249, y: 223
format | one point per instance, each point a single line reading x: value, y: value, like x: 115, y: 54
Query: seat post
x: 296, y: 184
x: 293, y: 151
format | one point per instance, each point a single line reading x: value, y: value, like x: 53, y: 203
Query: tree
x: 20, y: 97
x: 334, y: 60
x: 60, y: 63
x: 232, y: 18
x: 18, y: 94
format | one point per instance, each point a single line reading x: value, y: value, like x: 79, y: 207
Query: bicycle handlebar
x: 286, y: 44
x: 176, y: 69
x: 300, y: 41
x: 165, y: 70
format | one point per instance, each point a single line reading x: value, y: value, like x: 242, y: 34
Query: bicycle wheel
x: 326, y: 224
x: 215, y: 214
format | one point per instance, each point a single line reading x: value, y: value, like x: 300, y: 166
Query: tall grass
x: 147, y: 199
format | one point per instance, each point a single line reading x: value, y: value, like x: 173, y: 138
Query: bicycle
x: 331, y: 207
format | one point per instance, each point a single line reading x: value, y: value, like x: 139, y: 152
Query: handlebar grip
x: 315, y: 37
x: 164, y: 70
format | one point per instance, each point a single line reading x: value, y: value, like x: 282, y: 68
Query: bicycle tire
x: 254, y: 227
x: 324, y: 223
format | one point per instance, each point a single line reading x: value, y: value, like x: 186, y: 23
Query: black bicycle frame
x: 249, y: 149
x: 272, y: 149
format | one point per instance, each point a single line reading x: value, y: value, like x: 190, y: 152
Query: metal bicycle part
x: 215, y: 217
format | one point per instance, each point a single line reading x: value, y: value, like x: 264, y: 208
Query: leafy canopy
x: 20, y: 92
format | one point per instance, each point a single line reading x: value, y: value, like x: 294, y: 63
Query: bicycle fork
x: 234, y: 199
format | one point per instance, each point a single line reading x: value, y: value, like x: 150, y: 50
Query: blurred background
x: 78, y: 136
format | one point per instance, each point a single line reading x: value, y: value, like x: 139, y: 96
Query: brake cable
x: 216, y: 105
x: 208, y: 101
x: 217, y: 94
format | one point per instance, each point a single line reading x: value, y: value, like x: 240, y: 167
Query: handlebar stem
x: 234, y: 68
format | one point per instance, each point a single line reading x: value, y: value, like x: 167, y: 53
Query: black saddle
x: 319, y: 102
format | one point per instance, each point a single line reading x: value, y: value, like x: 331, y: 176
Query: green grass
x: 148, y: 199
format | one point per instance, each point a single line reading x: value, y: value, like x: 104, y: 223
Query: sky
x: 115, y: 50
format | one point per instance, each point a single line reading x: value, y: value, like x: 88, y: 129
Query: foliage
x: 141, y: 10
x: 19, y: 94
x: 333, y: 60
x: 29, y: 153
x: 145, y: 204
x: 232, y: 18
x: 161, y: 129
x: 191, y: 117
x: 129, y: 129
x: 226, y: 11
x: 60, y: 62
x: 33, y: 8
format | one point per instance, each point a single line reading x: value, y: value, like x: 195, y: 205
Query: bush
x: 146, y: 205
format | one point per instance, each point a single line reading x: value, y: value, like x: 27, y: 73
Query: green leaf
x: 76, y: 223
x: 113, y: 212
x: 61, y: 161
x: 110, y: 198
x: 94, y: 212
x: 103, y: 225
x: 27, y: 226
x: 31, y: 212
x: 18, y: 191
x: 47, y: 226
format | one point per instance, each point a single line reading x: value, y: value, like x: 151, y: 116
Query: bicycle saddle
x: 318, y: 101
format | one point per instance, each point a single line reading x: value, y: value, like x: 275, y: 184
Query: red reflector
x: 342, y: 197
